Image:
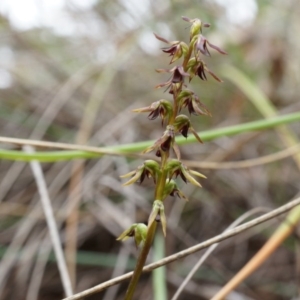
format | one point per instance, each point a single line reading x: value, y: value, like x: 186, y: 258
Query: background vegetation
x: 73, y: 72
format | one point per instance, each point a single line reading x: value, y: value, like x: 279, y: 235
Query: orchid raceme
x: 165, y: 173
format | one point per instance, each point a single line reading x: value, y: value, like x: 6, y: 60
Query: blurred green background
x: 72, y: 71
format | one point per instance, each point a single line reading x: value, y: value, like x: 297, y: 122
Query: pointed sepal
x: 175, y: 168
x: 158, y: 215
x: 150, y: 168
x: 162, y: 108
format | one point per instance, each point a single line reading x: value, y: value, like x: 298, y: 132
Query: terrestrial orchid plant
x: 170, y: 166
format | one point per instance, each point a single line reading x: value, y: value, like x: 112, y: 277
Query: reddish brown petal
x: 165, y: 146
x: 171, y: 50
x: 201, y: 72
x: 199, y: 108
x: 181, y: 71
x: 184, y: 131
x: 164, y: 70
x: 183, y: 177
x: 201, y: 46
x: 161, y: 38
x: 142, y: 177
x: 162, y: 112
x: 177, y: 151
x: 186, y: 19
x: 163, y: 84
x: 177, y: 77
x: 190, y: 108
x: 154, y: 114
x: 196, y: 135
x: 214, y: 75
x: 216, y: 48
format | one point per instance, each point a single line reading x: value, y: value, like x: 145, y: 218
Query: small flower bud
x: 169, y: 187
x: 184, y: 48
x: 138, y: 231
x: 182, y: 124
x: 172, y: 190
x: 195, y: 28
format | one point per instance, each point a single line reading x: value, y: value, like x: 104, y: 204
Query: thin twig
x: 38, y: 270
x: 188, y: 251
x: 213, y: 247
x: 55, y: 145
x: 285, y: 229
x: 46, y: 203
x: 246, y: 163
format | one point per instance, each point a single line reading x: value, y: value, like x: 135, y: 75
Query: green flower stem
x: 53, y: 156
x: 187, y: 58
x: 159, y: 191
x: 141, y: 262
x: 161, y: 181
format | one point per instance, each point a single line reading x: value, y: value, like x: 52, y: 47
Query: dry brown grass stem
x: 54, y: 145
x: 51, y: 223
x: 202, y: 259
x: 249, y: 163
x: 288, y: 152
x: 274, y: 213
x: 285, y: 229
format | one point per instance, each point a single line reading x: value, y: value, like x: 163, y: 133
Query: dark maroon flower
x: 176, y: 48
x: 165, y: 143
x: 150, y: 168
x: 195, y: 106
x: 177, y: 76
x: 183, y: 125
x: 199, y: 70
x: 201, y: 45
x: 189, y: 99
x: 162, y: 108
